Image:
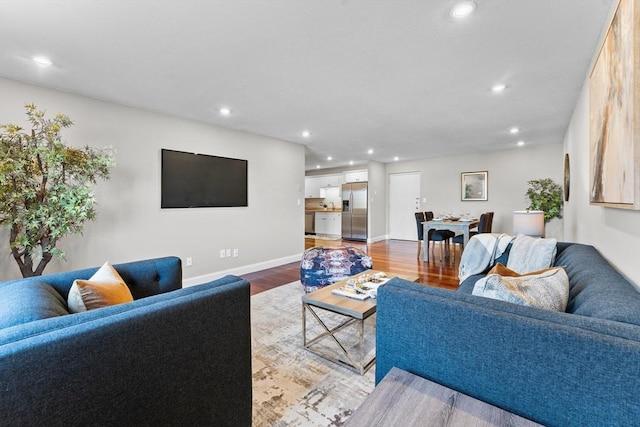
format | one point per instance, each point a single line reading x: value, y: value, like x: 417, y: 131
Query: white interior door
x: 404, y: 201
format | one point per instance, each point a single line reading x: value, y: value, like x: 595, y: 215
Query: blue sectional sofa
x: 171, y: 357
x: 575, y: 368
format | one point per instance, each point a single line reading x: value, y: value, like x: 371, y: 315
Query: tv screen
x: 191, y: 180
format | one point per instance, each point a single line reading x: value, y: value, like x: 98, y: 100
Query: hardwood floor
x: 393, y: 256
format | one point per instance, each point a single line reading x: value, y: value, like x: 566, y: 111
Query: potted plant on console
x: 545, y: 203
x: 545, y: 195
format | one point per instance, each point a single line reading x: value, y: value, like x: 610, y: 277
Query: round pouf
x: 322, y: 266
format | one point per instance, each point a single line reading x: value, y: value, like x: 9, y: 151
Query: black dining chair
x: 442, y: 236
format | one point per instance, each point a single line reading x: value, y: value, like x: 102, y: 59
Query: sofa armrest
x: 541, y: 365
x: 180, y: 358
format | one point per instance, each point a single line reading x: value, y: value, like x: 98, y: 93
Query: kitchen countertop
x: 323, y: 210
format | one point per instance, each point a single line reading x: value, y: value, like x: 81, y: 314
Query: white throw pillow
x: 531, y: 254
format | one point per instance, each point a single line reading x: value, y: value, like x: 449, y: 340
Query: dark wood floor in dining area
x: 393, y: 256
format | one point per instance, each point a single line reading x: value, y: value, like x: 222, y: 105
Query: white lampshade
x: 530, y: 223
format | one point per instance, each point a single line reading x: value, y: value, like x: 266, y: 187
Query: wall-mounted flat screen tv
x: 191, y: 180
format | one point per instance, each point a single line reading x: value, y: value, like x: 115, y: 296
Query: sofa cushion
x: 548, y: 288
x: 103, y: 289
x: 531, y: 254
x: 24, y: 302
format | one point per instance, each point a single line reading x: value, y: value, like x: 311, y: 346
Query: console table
x: 404, y: 399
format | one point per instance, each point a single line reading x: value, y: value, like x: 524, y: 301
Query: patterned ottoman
x: 322, y: 266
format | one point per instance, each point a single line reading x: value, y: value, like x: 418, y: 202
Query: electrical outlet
x: 228, y: 253
x: 189, y: 261
x: 222, y: 253
x: 235, y: 253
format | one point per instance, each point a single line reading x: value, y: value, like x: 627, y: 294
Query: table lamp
x: 528, y: 222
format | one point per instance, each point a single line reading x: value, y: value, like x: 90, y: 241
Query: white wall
x: 614, y: 232
x: 377, y: 201
x: 130, y: 223
x: 509, y: 171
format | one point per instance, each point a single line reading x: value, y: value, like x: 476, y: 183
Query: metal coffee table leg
x: 359, y: 366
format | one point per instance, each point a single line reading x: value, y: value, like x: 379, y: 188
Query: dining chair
x: 485, y: 223
x: 442, y: 236
x: 419, y: 220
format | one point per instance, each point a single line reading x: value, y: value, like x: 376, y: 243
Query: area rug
x: 291, y: 385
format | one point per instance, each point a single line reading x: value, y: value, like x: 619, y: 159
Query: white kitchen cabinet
x: 356, y: 176
x: 314, y: 184
x: 335, y: 224
x: 329, y: 223
x: 330, y: 181
x: 330, y: 192
x: 312, y: 187
x: 321, y: 225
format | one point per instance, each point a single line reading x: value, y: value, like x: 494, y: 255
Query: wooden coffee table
x: 353, y: 310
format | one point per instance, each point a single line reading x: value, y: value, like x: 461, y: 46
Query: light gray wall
x: 377, y: 201
x: 614, y: 232
x: 130, y: 223
x: 509, y: 171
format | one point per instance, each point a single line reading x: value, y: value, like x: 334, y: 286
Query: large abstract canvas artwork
x: 614, y: 113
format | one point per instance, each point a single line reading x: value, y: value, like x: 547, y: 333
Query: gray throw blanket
x: 481, y: 253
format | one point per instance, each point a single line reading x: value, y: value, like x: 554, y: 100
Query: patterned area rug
x: 291, y: 385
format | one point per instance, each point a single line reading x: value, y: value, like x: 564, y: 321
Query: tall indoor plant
x: 545, y: 195
x: 45, y: 187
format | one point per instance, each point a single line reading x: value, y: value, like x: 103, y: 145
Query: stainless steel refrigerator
x: 354, y: 211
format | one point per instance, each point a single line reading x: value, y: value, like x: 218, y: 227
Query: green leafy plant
x: 45, y: 188
x: 545, y: 195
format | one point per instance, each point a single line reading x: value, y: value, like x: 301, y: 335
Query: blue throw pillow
x: 24, y: 302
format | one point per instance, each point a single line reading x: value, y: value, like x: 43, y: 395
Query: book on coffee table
x: 350, y: 292
x: 360, y: 291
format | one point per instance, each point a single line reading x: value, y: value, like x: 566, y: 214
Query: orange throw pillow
x: 103, y: 289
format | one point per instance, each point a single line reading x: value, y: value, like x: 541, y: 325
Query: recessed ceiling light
x: 370, y: 151
x: 396, y: 158
x: 225, y: 111
x: 306, y: 133
x: 42, y: 61
x: 514, y: 130
x: 351, y: 162
x: 463, y: 9
x: 329, y: 158
x: 520, y: 143
x: 498, y: 87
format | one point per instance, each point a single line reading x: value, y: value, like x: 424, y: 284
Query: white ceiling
x: 400, y: 77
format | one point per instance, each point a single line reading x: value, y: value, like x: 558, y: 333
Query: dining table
x: 463, y: 224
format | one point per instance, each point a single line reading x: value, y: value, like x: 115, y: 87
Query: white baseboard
x: 377, y: 239
x: 238, y: 271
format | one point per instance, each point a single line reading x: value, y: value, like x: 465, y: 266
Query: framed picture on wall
x: 474, y: 185
x: 614, y: 116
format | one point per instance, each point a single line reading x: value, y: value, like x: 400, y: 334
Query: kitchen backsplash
x: 319, y: 203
